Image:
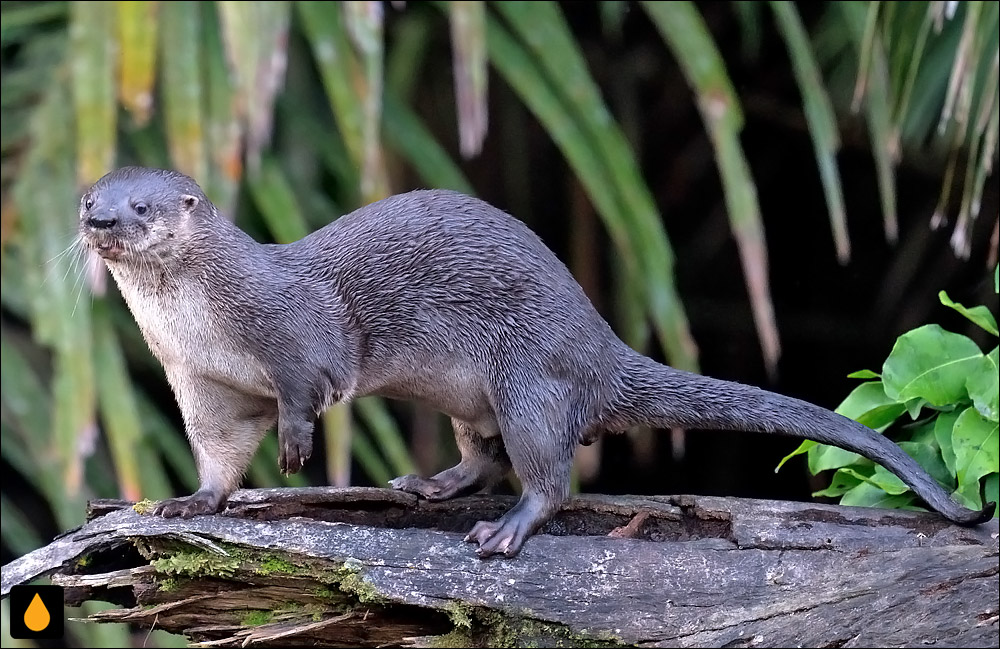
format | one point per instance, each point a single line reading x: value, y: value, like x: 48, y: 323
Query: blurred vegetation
x: 291, y: 114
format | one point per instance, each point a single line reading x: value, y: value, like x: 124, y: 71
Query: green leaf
x: 824, y: 457
x: 887, y: 481
x: 914, y: 406
x: 881, y: 417
x: 843, y: 481
x: 928, y: 456
x: 984, y: 385
x: 932, y: 364
x: 867, y: 404
x: 944, y: 425
x: 864, y: 374
x: 868, y: 495
x: 976, y: 444
x: 968, y: 495
x: 991, y: 490
x: 804, y: 447
x: 980, y: 315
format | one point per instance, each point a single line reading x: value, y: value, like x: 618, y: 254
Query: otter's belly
x: 451, y: 386
x: 186, y: 339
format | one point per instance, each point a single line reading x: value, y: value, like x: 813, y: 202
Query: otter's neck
x: 189, y: 261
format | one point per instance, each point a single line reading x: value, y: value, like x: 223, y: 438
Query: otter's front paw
x: 200, y: 502
x: 294, y: 448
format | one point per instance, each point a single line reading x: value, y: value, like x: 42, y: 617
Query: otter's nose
x: 102, y: 221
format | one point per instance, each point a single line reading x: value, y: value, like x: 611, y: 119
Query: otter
x: 429, y: 295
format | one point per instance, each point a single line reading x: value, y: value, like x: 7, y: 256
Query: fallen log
x: 374, y: 567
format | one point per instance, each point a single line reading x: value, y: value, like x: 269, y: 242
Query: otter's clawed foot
x: 504, y: 536
x: 429, y: 488
x: 200, y: 502
x: 293, y: 452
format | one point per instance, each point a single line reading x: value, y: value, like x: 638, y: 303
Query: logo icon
x: 36, y: 612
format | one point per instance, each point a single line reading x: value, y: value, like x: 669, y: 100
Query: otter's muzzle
x: 101, y: 221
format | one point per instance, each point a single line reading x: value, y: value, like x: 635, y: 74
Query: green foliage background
x: 290, y: 114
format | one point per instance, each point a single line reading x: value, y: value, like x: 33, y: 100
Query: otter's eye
x: 140, y: 208
x: 88, y: 202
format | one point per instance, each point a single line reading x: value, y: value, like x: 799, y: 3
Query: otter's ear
x: 189, y: 202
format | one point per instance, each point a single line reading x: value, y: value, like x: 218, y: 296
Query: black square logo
x: 36, y: 612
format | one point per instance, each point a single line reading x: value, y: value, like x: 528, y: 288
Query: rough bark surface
x: 373, y: 567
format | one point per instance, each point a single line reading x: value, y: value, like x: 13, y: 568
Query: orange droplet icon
x: 37, y: 617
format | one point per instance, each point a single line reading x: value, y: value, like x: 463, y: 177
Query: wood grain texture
x: 370, y: 567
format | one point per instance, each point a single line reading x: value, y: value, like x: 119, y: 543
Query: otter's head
x: 136, y: 213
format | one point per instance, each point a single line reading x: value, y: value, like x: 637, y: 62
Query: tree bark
x: 373, y: 567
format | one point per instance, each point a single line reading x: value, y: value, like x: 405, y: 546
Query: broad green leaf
x: 181, y: 86
x: 868, y: 495
x: 863, y: 398
x: 914, y: 406
x: 930, y: 363
x: 824, y: 456
x: 137, y: 34
x: 983, y: 384
x: 990, y: 487
x: 923, y: 433
x: 929, y: 457
x: 977, y: 314
x: 683, y: 29
x: 881, y: 417
x: 944, y: 425
x: 864, y: 374
x: 976, y: 443
x: 93, y: 39
x: 843, y: 481
x: 866, y: 403
x: 887, y: 481
x: 968, y: 495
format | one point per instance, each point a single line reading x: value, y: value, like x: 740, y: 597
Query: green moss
x: 256, y: 617
x: 482, y: 627
x: 168, y: 585
x: 144, y: 506
x: 460, y: 614
x: 271, y: 563
x: 197, y: 563
x: 348, y: 578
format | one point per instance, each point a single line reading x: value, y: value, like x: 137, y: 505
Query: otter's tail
x: 657, y: 395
